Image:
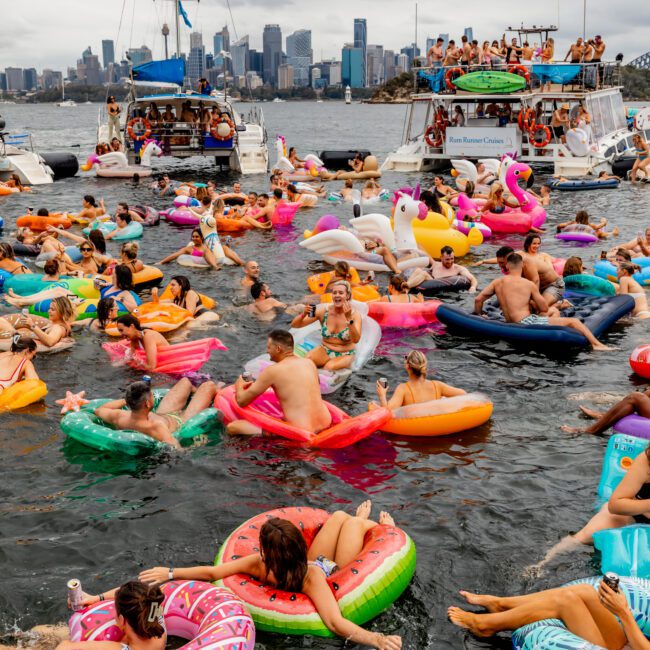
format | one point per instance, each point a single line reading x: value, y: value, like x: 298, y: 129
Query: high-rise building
x: 361, y: 42
x: 389, y: 64
x: 196, y: 40
x: 256, y: 62
x: 285, y: 76
x: 196, y: 63
x: 239, y: 52
x: 108, y: 52
x: 140, y: 55
x: 88, y: 69
x: 272, y: 43
x: 375, y: 65
x: 209, y: 61
x: 411, y: 52
x: 30, y: 79
x: 352, y: 66
x: 51, y: 79
x: 253, y: 80
x: 402, y: 64
x: 300, y: 55
x: 469, y: 32
x: 14, y: 78
x: 445, y: 41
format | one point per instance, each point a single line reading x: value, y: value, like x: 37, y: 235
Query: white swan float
x: 115, y: 164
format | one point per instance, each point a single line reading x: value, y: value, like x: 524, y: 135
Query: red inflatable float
x: 640, y: 360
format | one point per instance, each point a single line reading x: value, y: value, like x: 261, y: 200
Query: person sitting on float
x: 340, y: 329
x: 121, y: 287
x: 398, y: 291
x: 628, y: 285
x: 141, y: 339
x: 107, y: 313
x: 582, y: 224
x: 445, y: 268
x: 637, y: 247
x: 8, y: 261
x: 16, y: 364
x: 417, y: 389
x: 184, y: 296
x: 122, y: 219
x: 198, y: 248
x: 343, y: 271
x: 285, y: 562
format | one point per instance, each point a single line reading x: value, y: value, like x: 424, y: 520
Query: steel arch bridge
x: 642, y: 61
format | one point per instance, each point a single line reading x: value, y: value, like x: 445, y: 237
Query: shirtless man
x: 235, y: 195
x: 484, y: 176
x: 295, y: 383
x: 251, y: 274
x: 170, y: 415
x: 452, y: 54
x: 560, y: 122
x: 539, y: 269
x: 527, y: 54
x: 465, y: 51
x: 515, y: 294
x: 445, y: 268
x: 262, y: 217
x: 576, y: 51
x: 434, y: 55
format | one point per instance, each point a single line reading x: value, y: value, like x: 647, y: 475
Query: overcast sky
x: 53, y: 33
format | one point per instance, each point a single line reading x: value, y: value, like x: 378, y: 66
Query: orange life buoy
x: 147, y: 128
x: 521, y: 70
x: 547, y: 136
x: 437, y: 132
x: 455, y: 72
x: 526, y: 119
x: 214, y: 129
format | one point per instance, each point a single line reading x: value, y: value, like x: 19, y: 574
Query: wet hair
x: 219, y: 206
x: 123, y: 204
x: 263, y: 195
x: 529, y: 240
x: 7, y: 251
x: 253, y: 194
x: 140, y: 603
x: 546, y: 187
x: 125, y: 217
x: 123, y: 277
x: 284, y: 552
x: 43, y: 212
x: 342, y: 269
x: 573, y: 266
x: 22, y: 344
x: 199, y: 233
x: 256, y: 289
x: 130, y: 250
x: 292, y: 188
x: 206, y: 201
x: 582, y: 217
x: 398, y: 283
x: 51, y: 267
x: 514, y: 260
x: 65, y: 308
x: 277, y: 193
x: 185, y: 286
x: 89, y: 198
x: 201, y: 193
x: 629, y: 268
x: 470, y: 188
x: 129, y: 320
x: 104, y: 307
x: 283, y: 338
x: 431, y: 200
x: 504, y: 251
x: 98, y: 241
x: 446, y: 250
x: 624, y: 253
x: 346, y: 284
x: 136, y: 394
x: 417, y: 362
x: 349, y: 183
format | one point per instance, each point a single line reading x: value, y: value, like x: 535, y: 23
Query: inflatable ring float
x: 184, y: 617
x: 158, y: 316
x: 363, y: 589
x: 21, y: 394
x: 540, y: 128
x: 215, y: 130
x: 403, y: 315
x: 520, y: 70
x: 84, y: 310
x: 440, y: 417
x: 640, y: 360
x: 450, y: 75
x: 139, y: 121
x: 85, y: 427
x: 40, y: 224
x: 589, y: 285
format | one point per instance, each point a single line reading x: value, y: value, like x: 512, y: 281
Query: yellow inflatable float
x: 435, y: 232
x: 21, y: 394
x: 364, y: 293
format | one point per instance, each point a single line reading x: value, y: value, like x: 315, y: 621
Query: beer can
x: 75, y: 594
x: 612, y: 580
x: 384, y: 382
x: 247, y: 376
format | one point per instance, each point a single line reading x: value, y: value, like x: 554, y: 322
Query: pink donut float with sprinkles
x: 209, y: 617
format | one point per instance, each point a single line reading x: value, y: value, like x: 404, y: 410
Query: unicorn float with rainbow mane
x: 115, y: 164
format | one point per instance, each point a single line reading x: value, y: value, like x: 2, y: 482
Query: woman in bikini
x: 398, y: 291
x: 129, y: 256
x: 184, y: 296
x: 91, y: 210
x: 122, y: 288
x: 340, y: 329
x: 628, y: 285
x: 285, y: 562
x: 16, y: 364
x: 418, y: 388
x: 643, y: 156
x: 141, y: 339
x: 107, y: 312
x: 197, y: 248
x: 8, y: 261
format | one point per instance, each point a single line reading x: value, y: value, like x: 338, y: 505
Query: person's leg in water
x: 578, y: 325
x: 577, y: 606
x: 176, y: 398
x: 417, y: 277
x: 389, y: 259
x: 634, y: 403
x: 201, y: 400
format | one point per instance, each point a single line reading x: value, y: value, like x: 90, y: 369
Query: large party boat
x: 509, y: 108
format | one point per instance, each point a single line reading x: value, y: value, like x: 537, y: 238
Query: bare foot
x: 590, y: 413
x: 615, y: 232
x: 363, y: 511
x: 386, y: 519
x: 567, y: 429
x: 600, y: 347
x: 469, y: 621
x: 482, y: 600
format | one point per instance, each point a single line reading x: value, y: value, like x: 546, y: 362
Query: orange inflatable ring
x: 214, y: 130
x: 521, y: 70
x: 547, y: 136
x: 318, y: 283
x: 147, y: 128
x: 526, y: 119
x: 40, y: 224
x: 437, y: 133
x: 206, y: 301
x: 228, y: 224
x: 452, y: 74
x: 364, y: 293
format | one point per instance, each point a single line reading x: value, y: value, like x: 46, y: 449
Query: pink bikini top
x: 196, y: 252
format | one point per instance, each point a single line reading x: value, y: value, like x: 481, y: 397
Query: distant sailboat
x: 348, y: 95
x: 65, y: 103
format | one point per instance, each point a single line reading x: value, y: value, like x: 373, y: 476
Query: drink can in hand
x: 612, y: 580
x: 247, y: 377
x: 312, y: 311
x: 383, y: 382
x: 75, y: 594
x: 25, y: 312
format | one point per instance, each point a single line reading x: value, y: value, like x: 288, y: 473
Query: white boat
x: 15, y: 158
x: 348, y: 95
x: 430, y: 142
x: 65, y: 103
x: 277, y: 100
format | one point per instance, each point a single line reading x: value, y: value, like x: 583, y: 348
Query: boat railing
x: 571, y: 77
x: 20, y: 140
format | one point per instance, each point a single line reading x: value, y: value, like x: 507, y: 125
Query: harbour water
x: 480, y: 506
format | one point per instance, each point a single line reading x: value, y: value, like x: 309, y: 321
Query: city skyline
x: 387, y: 24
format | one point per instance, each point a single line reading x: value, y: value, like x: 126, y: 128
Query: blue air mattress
x: 434, y: 287
x: 621, y: 451
x: 625, y: 551
x: 574, y: 186
x: 597, y: 313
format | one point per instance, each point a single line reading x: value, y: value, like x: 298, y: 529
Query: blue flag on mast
x: 183, y: 13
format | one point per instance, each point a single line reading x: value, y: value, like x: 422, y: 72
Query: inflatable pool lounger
x: 597, y: 313
x: 574, y: 186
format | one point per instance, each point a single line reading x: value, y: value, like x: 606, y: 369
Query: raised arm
x: 170, y: 258
x: 303, y: 319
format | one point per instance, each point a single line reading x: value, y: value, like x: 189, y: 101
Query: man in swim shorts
x: 634, y: 403
x: 251, y: 273
x: 434, y: 55
x: 560, y: 122
x: 515, y: 294
x: 445, y: 268
x: 295, y: 383
x: 172, y: 412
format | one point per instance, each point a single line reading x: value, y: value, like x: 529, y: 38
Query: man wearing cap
x: 560, y: 122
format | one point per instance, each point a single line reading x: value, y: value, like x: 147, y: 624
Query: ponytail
x: 141, y: 606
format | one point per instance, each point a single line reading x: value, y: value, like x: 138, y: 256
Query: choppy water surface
x: 480, y: 506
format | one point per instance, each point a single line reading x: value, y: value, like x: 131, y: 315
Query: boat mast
x: 178, y: 31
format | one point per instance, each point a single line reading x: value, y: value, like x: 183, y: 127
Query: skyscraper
x: 14, y: 78
x: 108, y: 52
x: 196, y: 39
x: 239, y: 53
x: 299, y: 55
x: 375, y: 65
x: 469, y: 32
x: 352, y: 66
x: 445, y: 41
x: 256, y: 62
x: 196, y: 60
x: 140, y: 55
x: 285, y: 76
x: 389, y: 64
x: 272, y: 44
x: 361, y: 42
x: 30, y: 79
